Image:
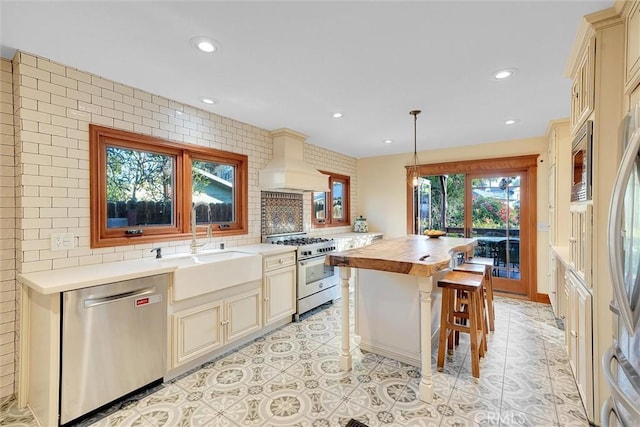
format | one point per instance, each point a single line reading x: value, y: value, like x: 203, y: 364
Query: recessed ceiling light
x: 336, y: 115
x: 205, y: 44
x: 388, y: 141
x: 209, y: 101
x: 511, y: 121
x: 504, y: 74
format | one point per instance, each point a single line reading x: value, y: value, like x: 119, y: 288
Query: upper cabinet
x: 583, y: 85
x: 559, y: 157
x: 632, y: 47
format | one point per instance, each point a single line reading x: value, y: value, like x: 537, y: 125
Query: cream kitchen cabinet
x: 580, y: 240
x: 279, y: 286
x: 579, y: 339
x: 559, y: 157
x: 583, y: 86
x: 632, y: 47
x: 553, y: 283
x: 196, y: 331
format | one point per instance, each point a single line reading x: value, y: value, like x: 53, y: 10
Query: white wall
x: 382, y: 187
x: 7, y: 235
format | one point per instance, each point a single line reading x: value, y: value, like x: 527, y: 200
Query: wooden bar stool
x: 488, y: 264
x: 468, y: 286
x: 481, y: 271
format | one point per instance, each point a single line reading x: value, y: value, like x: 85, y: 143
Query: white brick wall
x: 7, y: 235
x: 332, y: 162
x: 53, y: 106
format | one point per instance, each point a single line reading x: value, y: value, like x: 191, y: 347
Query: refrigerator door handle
x: 618, y: 396
x: 608, y: 408
x: 613, y: 307
x: 627, y: 165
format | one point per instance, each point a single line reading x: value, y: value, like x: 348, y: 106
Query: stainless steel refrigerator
x: 621, y: 363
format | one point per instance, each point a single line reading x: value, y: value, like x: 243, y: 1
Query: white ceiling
x: 292, y: 64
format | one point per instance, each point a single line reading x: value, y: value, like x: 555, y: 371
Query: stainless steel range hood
x: 287, y: 171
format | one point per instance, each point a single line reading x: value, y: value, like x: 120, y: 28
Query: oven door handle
x: 312, y: 261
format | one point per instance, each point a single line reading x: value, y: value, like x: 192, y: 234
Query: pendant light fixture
x: 413, y: 170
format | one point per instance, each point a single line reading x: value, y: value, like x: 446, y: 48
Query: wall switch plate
x: 62, y: 241
x: 543, y: 227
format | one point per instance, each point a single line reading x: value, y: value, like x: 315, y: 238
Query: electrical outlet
x: 62, y: 241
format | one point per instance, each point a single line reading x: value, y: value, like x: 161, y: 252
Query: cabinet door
x: 196, y: 331
x: 572, y: 327
x: 584, y: 349
x: 243, y: 314
x: 582, y: 89
x: 279, y: 294
x: 552, y: 187
x: 553, y: 286
x: 632, y: 52
x: 567, y: 313
x: 580, y: 241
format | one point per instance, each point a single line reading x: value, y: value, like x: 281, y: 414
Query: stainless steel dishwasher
x: 113, y: 342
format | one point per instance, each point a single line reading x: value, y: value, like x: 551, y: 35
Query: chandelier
x: 414, y: 173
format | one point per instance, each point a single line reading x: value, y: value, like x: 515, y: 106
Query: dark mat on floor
x: 355, y: 423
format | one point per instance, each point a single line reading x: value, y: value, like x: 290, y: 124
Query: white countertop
x: 353, y: 235
x: 563, y: 254
x: 68, y: 279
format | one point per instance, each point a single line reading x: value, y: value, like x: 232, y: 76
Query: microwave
x: 581, y: 162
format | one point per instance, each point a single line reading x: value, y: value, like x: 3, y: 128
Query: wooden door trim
x: 528, y: 163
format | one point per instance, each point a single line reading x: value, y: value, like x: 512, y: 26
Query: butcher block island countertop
x: 405, y: 255
x: 397, y: 301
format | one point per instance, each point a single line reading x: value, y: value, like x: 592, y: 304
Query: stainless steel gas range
x: 317, y: 282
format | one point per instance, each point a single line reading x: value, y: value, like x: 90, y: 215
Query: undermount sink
x: 201, y: 273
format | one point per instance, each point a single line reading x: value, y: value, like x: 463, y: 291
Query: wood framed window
x: 331, y: 209
x: 144, y: 189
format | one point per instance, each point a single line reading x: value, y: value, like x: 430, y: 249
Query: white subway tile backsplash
x: 64, y: 81
x: 46, y: 65
x: 53, y: 158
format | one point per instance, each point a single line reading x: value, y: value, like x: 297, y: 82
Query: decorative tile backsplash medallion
x: 281, y: 213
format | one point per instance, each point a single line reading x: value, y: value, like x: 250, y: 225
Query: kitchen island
x: 399, y: 274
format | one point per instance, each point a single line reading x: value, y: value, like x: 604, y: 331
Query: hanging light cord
x: 414, y: 172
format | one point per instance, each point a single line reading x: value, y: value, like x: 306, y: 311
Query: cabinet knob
x: 573, y: 334
x: 266, y: 299
x: 280, y: 261
x: 224, y: 322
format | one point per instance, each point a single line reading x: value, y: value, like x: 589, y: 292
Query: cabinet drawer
x: 273, y: 262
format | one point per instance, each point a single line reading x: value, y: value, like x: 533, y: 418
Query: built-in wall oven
x: 581, y: 161
x: 317, y: 283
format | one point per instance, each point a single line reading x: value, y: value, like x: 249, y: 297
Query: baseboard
x: 543, y: 298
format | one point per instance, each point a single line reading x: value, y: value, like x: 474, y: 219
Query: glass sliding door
x: 494, y: 219
x: 440, y: 202
x: 483, y: 206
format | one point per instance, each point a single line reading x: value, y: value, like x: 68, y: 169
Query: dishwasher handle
x: 93, y: 302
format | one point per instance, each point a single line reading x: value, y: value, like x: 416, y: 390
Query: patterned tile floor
x: 291, y: 378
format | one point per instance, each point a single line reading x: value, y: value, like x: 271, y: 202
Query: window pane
x: 337, y: 208
x: 213, y: 191
x: 445, y: 204
x: 140, y: 186
x: 319, y: 206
